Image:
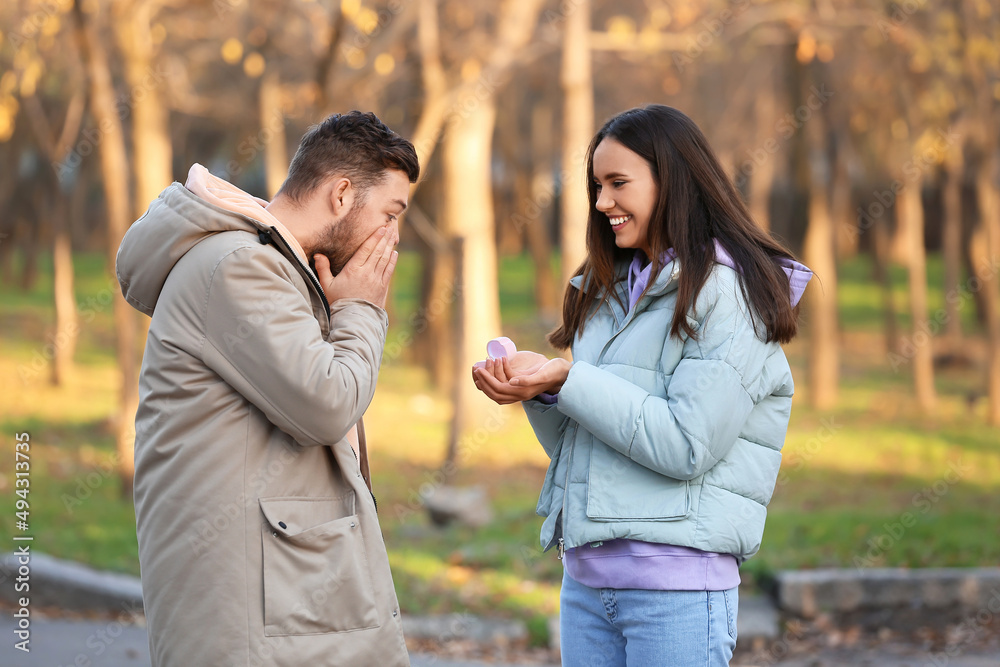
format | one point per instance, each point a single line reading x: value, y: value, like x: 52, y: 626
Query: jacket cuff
x: 360, y: 306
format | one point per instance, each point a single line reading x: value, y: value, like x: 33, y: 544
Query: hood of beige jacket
x: 180, y: 218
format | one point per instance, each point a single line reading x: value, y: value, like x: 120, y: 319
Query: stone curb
x: 806, y: 593
x: 70, y: 586
x: 464, y: 626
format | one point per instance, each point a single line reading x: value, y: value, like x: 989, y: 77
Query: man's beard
x: 338, y: 241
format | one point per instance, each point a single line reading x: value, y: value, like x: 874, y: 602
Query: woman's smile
x: 619, y: 221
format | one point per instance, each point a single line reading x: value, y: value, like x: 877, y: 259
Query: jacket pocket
x: 619, y: 489
x: 316, y: 575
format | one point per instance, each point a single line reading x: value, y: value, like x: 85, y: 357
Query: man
x: 258, y: 539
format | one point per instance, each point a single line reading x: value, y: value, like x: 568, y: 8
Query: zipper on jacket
x: 565, y: 513
x: 374, y: 499
x: 305, y: 268
x: 631, y: 315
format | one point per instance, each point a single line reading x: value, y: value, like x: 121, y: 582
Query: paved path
x: 65, y: 643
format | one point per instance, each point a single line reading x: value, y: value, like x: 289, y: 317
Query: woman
x: 665, y: 432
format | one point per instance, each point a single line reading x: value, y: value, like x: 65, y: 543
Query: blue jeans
x: 605, y: 627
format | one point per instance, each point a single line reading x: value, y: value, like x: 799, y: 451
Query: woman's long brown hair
x: 696, y: 203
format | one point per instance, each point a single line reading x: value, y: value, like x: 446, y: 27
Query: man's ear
x: 342, y: 196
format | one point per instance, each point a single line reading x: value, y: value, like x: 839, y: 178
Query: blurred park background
x: 863, y: 133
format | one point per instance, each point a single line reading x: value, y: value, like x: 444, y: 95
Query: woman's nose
x: 604, y: 202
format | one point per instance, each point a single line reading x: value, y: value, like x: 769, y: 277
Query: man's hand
x: 528, y: 377
x: 366, y: 274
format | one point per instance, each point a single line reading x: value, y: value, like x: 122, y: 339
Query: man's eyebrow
x: 400, y: 203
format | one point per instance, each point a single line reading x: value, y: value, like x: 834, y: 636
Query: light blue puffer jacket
x: 665, y: 440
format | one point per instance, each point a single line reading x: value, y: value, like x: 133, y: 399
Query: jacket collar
x: 664, y: 283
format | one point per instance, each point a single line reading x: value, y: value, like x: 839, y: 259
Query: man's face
x: 381, y: 205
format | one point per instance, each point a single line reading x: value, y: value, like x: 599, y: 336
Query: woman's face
x: 626, y: 193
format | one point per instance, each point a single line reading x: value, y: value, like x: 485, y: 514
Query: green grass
x: 850, y: 477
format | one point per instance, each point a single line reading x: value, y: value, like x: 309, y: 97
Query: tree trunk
x: 114, y: 170
x: 760, y: 165
x: 437, y: 97
x: 952, y: 247
x: 326, y: 64
x: 845, y: 224
x: 441, y: 333
x: 880, y: 264
x: 578, y: 128
x: 986, y: 258
x: 153, y: 156
x: 537, y: 227
x: 7, y: 257
x: 512, y: 194
x: 921, y: 348
x: 67, y: 328
x: 468, y: 215
x: 272, y: 132
x: 433, y: 326
x: 462, y: 399
x: 29, y: 250
x: 824, y: 356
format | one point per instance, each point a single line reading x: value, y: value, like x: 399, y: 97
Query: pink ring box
x: 498, y: 348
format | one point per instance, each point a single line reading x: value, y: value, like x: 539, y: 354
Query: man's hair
x: 356, y: 145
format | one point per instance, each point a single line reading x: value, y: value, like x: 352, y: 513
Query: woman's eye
x: 618, y: 184
x: 392, y: 218
x: 597, y: 186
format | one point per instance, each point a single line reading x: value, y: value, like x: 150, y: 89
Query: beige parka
x: 258, y: 537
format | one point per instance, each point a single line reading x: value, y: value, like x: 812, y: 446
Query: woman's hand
x: 520, y: 377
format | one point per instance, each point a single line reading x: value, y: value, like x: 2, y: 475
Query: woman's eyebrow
x: 614, y: 174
